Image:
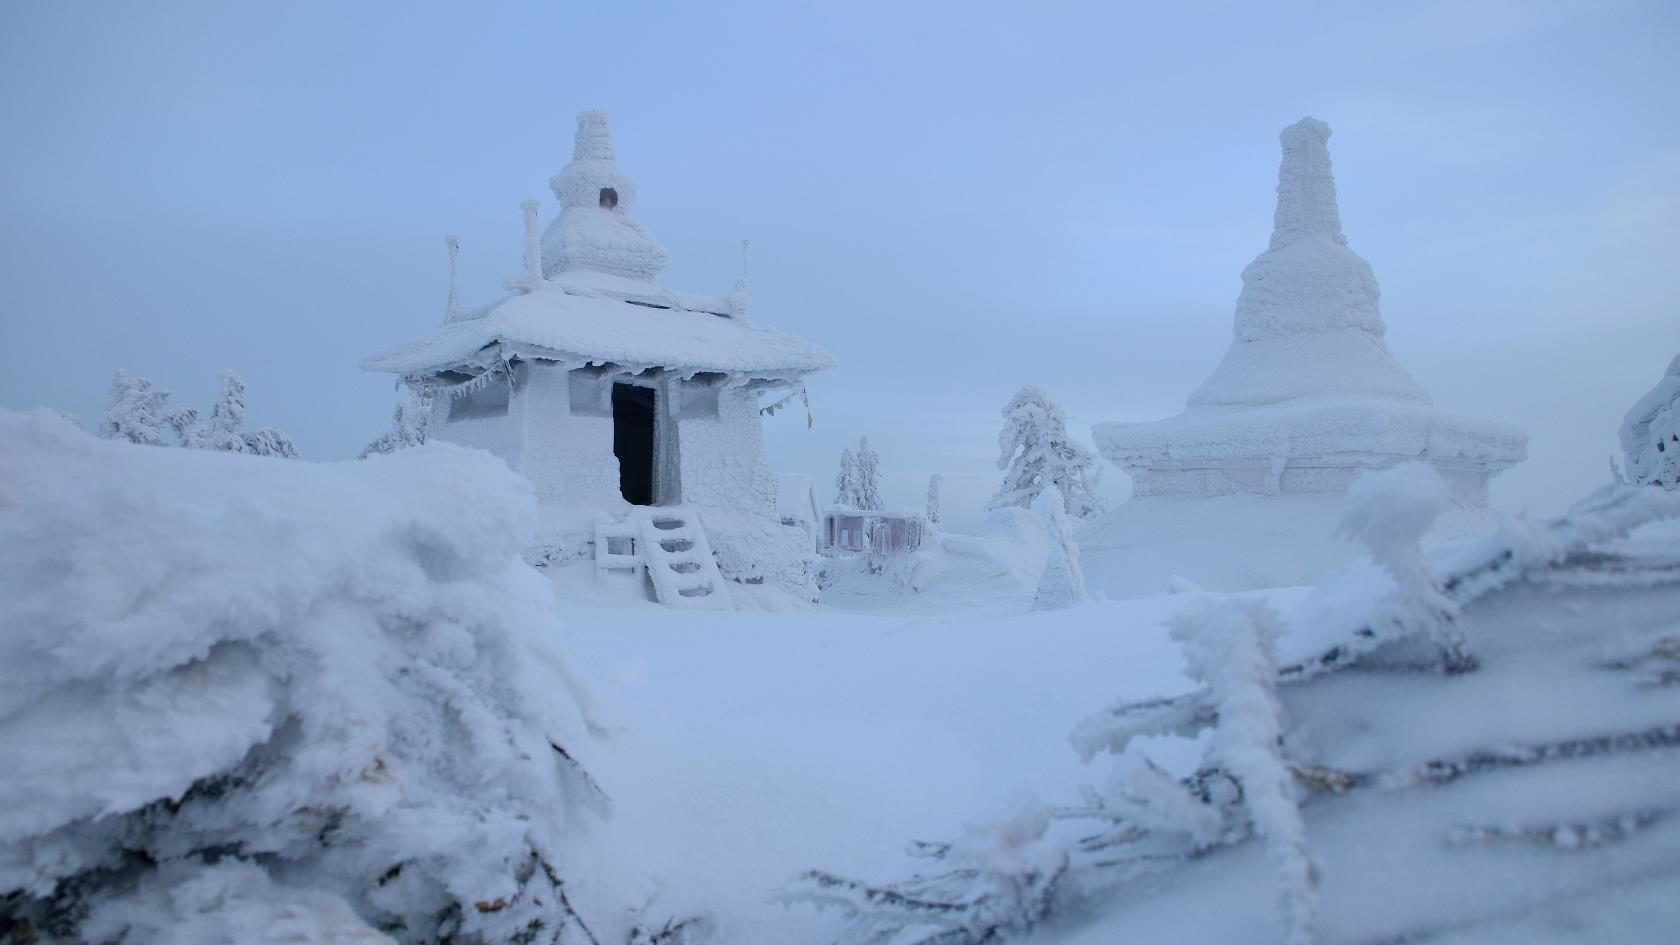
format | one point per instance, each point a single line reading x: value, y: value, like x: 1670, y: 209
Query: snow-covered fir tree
x: 1036, y: 453
x: 1063, y: 582
x: 222, y: 431
x: 846, y: 481
x: 408, y: 424
x: 935, y: 482
x: 136, y: 411
x: 868, y: 478
x: 1650, y: 433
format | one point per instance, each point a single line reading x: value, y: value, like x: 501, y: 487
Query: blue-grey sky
x: 954, y: 198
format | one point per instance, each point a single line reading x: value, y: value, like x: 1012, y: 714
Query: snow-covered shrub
x: 409, y: 423
x: 1036, y: 453
x: 1229, y: 647
x: 242, y: 697
x: 846, y: 481
x: 1389, y: 511
x: 1650, y: 433
x: 1063, y: 582
x: 868, y: 478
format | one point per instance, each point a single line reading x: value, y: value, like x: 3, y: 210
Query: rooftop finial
x: 533, y: 243
x: 452, y: 311
x: 739, y: 300
x: 1306, y: 205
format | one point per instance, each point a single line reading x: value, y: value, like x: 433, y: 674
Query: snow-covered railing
x: 872, y: 531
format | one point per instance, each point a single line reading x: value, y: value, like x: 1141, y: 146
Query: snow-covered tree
x: 846, y: 481
x: 136, y: 411
x: 222, y: 430
x: 1650, y: 433
x: 1036, y: 453
x: 868, y: 478
x: 1063, y: 582
x: 409, y: 423
x: 935, y: 482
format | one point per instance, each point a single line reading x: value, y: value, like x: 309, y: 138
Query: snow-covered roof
x: 596, y: 299
x: 554, y: 322
x: 1307, y: 372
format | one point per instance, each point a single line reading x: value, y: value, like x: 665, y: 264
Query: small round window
x: 609, y: 198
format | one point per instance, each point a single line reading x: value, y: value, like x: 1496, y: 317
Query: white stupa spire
x: 1307, y: 321
x: 1307, y: 280
x: 1306, y: 399
x: 593, y: 141
x: 1306, y: 204
x: 595, y: 231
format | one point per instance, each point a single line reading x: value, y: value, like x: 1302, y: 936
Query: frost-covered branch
x: 1389, y: 511
x: 1228, y: 647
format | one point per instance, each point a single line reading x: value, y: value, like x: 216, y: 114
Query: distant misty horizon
x: 954, y: 200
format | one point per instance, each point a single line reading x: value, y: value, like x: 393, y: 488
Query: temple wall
x: 722, y: 457
x: 501, y: 434
x: 568, y: 457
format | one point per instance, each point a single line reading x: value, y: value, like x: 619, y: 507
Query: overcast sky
x: 954, y: 198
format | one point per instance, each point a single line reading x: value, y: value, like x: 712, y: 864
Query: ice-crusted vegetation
x: 250, y: 700
x: 138, y: 411
x: 1036, y: 453
x: 1408, y: 712
x: 1650, y: 433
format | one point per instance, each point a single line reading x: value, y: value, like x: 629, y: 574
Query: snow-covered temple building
x: 1306, y: 398
x: 635, y: 410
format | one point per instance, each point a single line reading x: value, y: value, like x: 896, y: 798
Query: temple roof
x: 566, y: 325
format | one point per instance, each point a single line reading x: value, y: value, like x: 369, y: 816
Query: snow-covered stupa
x: 1306, y: 398
x: 634, y: 409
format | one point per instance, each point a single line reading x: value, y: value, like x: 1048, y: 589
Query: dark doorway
x: 632, y: 410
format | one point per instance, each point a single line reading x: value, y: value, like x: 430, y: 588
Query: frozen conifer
x: 868, y: 478
x: 1036, y: 453
x: 846, y: 481
x: 408, y: 424
x: 136, y: 411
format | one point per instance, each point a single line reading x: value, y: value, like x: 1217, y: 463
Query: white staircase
x: 668, y: 544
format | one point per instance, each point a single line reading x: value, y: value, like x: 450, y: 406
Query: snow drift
x: 253, y: 699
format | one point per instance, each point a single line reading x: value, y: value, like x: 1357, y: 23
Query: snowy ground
x: 751, y: 747
x: 367, y: 609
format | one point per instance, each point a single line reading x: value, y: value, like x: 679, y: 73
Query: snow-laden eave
x: 1334, y: 432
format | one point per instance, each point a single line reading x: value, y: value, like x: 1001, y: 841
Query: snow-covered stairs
x: 670, y: 544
